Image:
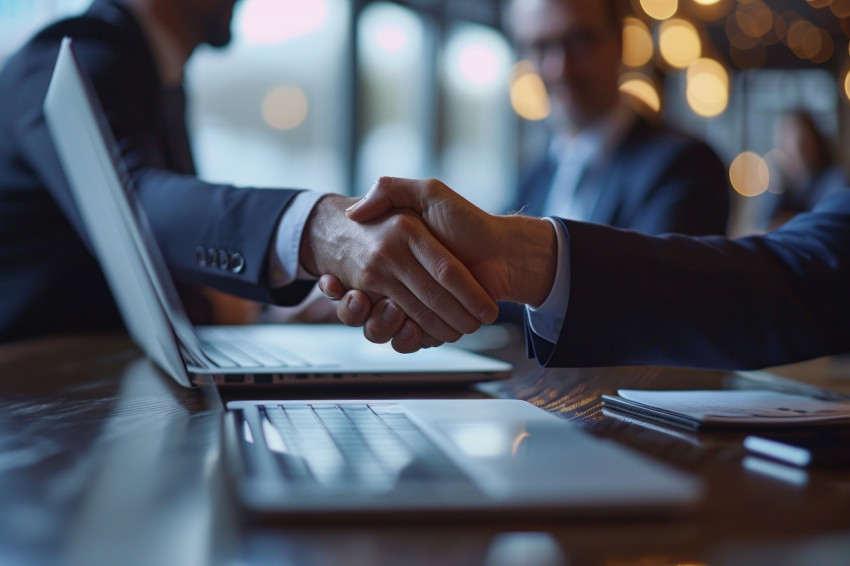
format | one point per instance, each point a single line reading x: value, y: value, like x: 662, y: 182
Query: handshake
x: 415, y: 263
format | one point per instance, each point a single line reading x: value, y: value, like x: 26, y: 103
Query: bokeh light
x: 749, y: 174
x: 528, y: 93
x: 637, y: 43
x: 707, y: 89
x: 660, y: 9
x: 642, y: 89
x: 267, y: 22
x: 679, y: 43
x: 285, y: 107
x: 478, y: 58
x: 754, y: 18
x: 846, y: 83
x: 390, y: 36
x: 841, y: 8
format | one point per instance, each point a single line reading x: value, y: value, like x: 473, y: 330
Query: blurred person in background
x: 808, y: 168
x: 608, y: 163
x: 264, y: 245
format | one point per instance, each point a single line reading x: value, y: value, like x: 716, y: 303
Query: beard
x: 215, y: 24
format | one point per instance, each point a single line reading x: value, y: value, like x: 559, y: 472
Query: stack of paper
x: 738, y: 409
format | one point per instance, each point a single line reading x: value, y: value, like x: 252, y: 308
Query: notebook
x: 747, y: 409
x: 249, y: 355
x: 347, y: 460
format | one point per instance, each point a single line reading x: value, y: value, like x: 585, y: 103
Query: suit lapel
x: 617, y: 178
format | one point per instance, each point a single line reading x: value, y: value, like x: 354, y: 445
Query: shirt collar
x: 598, y: 141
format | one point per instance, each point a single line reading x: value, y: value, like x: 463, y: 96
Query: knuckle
x: 445, y: 269
x: 435, y: 296
x: 378, y: 252
x: 370, y: 278
x: 424, y: 316
x: 401, y: 223
x: 432, y: 186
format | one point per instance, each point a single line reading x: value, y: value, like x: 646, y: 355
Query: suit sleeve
x: 187, y: 215
x: 707, y: 302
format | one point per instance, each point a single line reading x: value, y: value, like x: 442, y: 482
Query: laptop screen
x: 116, y: 224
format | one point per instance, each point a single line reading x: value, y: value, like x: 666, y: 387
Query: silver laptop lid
x: 117, y: 226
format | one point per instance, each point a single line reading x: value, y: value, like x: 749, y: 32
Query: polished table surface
x: 103, y: 460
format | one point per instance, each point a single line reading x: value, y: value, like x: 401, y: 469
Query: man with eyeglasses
x: 608, y: 163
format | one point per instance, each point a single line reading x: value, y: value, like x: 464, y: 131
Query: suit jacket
x: 214, y: 235
x: 656, y: 181
x: 707, y: 301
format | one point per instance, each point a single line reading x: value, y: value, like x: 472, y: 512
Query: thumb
x: 386, y: 194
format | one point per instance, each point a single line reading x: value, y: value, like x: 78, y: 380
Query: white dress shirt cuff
x: 284, y: 264
x: 547, y: 319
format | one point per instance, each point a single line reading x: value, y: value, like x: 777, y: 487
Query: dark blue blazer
x: 657, y: 181
x: 49, y: 281
x: 707, y: 301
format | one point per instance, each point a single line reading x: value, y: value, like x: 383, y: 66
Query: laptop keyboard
x: 243, y: 354
x: 371, y: 445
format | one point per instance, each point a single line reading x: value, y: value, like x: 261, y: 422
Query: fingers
x: 354, y: 308
x: 408, y: 339
x: 388, y: 193
x: 424, y: 315
x: 459, y: 284
x: 434, y: 284
x: 332, y: 287
x: 385, y: 322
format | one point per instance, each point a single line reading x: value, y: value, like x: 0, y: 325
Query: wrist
x: 319, y: 237
x: 531, y: 259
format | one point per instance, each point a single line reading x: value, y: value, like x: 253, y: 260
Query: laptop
x: 347, y: 460
x: 270, y: 354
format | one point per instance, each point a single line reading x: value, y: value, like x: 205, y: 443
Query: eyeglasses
x: 576, y: 43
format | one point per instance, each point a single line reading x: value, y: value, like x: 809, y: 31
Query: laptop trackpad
x: 546, y: 460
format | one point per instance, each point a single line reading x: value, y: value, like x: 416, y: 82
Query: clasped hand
x: 438, y: 271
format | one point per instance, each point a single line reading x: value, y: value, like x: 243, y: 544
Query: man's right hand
x: 395, y: 255
x: 513, y: 257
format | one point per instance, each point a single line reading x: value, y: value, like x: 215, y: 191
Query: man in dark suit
x: 264, y: 245
x: 598, y: 296
x: 606, y: 162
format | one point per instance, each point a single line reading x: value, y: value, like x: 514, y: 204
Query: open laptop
x: 335, y: 459
x: 248, y: 355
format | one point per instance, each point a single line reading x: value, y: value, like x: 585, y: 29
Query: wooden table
x: 106, y: 461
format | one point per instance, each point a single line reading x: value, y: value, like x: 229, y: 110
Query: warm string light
x: 641, y: 87
x: 679, y: 43
x: 528, y: 93
x: 638, y: 47
x: 707, y: 90
x: 749, y: 174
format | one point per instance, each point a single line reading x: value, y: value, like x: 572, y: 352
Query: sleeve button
x: 237, y: 263
x: 223, y: 259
